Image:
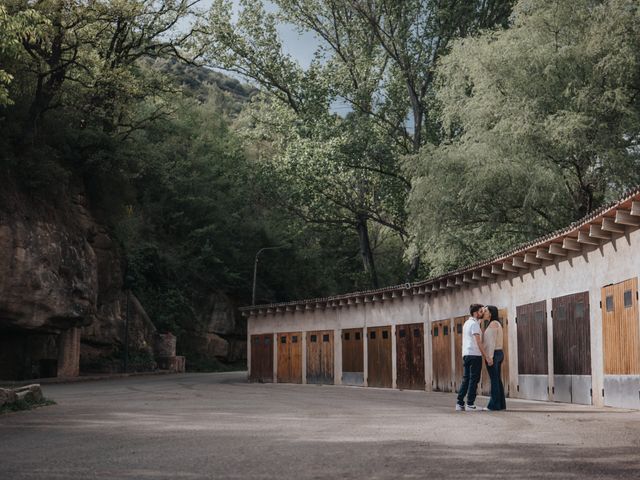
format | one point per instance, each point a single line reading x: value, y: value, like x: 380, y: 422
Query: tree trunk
x: 413, y: 268
x: 365, y: 250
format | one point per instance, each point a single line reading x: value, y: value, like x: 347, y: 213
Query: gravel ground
x: 195, y: 426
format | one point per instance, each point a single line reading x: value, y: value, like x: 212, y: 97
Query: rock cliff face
x: 48, y: 272
x: 61, y: 270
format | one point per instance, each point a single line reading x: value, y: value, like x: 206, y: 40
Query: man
x: 472, y: 355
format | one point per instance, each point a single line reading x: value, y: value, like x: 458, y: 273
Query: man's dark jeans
x: 470, y: 379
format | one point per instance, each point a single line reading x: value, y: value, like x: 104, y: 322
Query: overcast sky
x: 299, y: 46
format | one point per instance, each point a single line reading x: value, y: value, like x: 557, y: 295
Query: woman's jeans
x: 497, y: 401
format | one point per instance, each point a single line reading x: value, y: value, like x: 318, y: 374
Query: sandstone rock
x: 237, y: 350
x: 61, y: 269
x: 165, y: 345
x: 7, y: 396
x: 219, y: 314
x: 48, y: 279
x: 172, y: 364
x: 30, y: 393
x: 217, y: 346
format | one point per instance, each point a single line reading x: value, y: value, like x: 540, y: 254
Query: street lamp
x: 255, y: 269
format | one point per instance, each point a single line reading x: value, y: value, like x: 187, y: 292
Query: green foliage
x: 15, y: 28
x: 542, y: 125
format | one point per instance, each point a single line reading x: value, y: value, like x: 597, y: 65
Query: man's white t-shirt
x: 469, y: 346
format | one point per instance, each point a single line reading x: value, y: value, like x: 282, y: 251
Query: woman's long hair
x: 494, y: 313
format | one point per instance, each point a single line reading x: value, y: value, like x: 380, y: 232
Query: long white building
x: 568, y: 302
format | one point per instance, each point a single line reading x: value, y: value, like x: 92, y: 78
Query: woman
x: 492, y: 341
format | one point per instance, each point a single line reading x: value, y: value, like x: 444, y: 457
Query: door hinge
x: 603, y: 392
x: 600, y: 304
x: 516, y: 320
x: 553, y: 390
x: 551, y: 313
x: 518, y: 387
x: 591, y: 392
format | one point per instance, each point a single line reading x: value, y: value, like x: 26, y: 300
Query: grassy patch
x: 25, y: 405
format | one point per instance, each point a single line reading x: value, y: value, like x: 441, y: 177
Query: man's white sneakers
x: 459, y: 408
x: 472, y: 408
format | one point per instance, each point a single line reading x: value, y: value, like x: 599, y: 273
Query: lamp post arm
x: 255, y: 269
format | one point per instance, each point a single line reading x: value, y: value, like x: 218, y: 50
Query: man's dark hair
x: 474, y: 308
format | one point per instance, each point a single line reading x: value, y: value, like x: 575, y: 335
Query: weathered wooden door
x: 571, y: 348
x: 261, y: 358
x: 620, y: 333
x: 531, y: 325
x: 379, y: 357
x: 441, y: 348
x: 289, y: 357
x: 621, y: 344
x: 352, y: 357
x: 320, y: 357
x: 410, y: 356
x: 458, y: 323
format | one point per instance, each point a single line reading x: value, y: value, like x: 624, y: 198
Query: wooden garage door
x: 571, y: 335
x: 320, y: 357
x: 620, y: 330
x: 531, y: 321
x: 441, y: 348
x: 289, y: 357
x: 379, y: 357
x: 262, y: 358
x: 352, y: 351
x: 410, y: 356
x: 458, y: 323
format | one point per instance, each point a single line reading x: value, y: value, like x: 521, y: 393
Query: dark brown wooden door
x: 531, y: 321
x: 289, y: 357
x: 379, y: 357
x: 571, y: 335
x: 441, y: 348
x: 262, y: 358
x: 458, y: 323
x: 620, y: 332
x: 320, y: 357
x: 410, y: 356
x: 352, y: 351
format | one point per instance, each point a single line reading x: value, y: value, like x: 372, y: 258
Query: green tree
x: 542, y: 123
x: 15, y: 28
x: 378, y: 57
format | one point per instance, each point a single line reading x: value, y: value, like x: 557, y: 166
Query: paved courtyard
x: 194, y: 426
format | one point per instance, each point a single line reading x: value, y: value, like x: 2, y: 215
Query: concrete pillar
x: 337, y: 356
x: 304, y: 358
x: 394, y: 358
x: 69, y: 353
x: 275, y: 357
x: 365, y: 351
x: 248, y: 349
